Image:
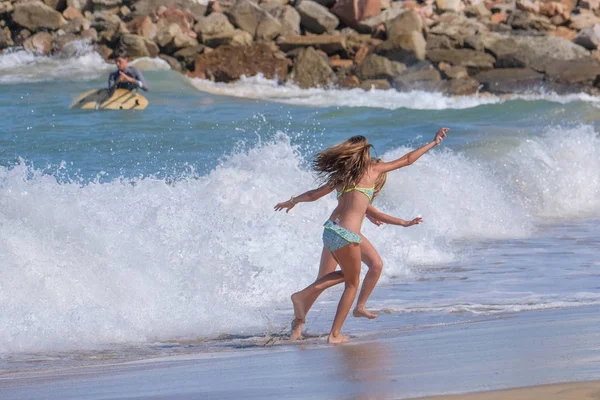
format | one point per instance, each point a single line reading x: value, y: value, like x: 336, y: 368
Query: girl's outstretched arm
x: 413, y: 156
x: 378, y: 218
x: 311, y: 195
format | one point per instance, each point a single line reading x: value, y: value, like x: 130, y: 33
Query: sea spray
x: 557, y: 173
x: 77, y: 60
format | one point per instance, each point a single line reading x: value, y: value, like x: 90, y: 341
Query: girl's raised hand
x: 441, y: 135
x: 287, y: 205
x: 415, y: 221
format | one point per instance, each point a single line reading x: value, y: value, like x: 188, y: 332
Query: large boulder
x: 77, y: 25
x: 464, y: 86
x: 329, y: 44
x: 498, y: 44
x: 183, y: 18
x: 378, y: 67
x: 316, y: 18
x: 589, y: 37
x: 215, y: 24
x: 137, y: 46
x: 248, y: 16
x: 312, y: 69
x: 428, y: 79
x: 535, y: 52
x: 457, y: 27
x: 584, y: 71
x: 230, y: 63
x: 237, y: 37
x: 70, y: 13
x: 509, y: 80
x: 463, y: 57
x: 583, y: 20
x: 287, y: 16
x: 405, y: 23
x: 369, y: 25
x: 452, y: 72
x: 110, y: 32
x: 36, y: 15
x: 408, y: 48
x: 171, y: 38
x: 40, y: 43
x: 143, y: 26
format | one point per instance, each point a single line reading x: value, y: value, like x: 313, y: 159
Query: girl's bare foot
x: 360, y: 312
x: 337, y: 339
x: 299, y: 311
x: 296, y: 329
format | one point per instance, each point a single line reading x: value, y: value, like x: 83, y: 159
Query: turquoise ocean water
x: 127, y: 228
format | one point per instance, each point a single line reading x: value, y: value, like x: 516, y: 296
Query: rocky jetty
x: 456, y: 47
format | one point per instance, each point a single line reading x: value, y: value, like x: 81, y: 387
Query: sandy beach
x: 561, y: 391
x: 507, y: 351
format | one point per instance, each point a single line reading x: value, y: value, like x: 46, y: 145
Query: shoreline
x: 508, y: 351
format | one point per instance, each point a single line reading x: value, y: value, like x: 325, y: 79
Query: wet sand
x: 392, y: 362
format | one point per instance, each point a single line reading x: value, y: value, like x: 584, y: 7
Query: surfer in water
x: 347, y: 168
x: 369, y: 254
x: 126, y: 77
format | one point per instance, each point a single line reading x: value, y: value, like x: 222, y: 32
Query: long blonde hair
x: 344, y: 164
x: 380, y: 181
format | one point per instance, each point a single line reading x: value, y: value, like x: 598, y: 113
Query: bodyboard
x: 102, y: 99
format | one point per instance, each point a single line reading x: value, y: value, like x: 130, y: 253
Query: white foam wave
x: 131, y: 261
x: 260, y: 88
x: 117, y: 262
x: 77, y: 61
x: 150, y: 64
x: 557, y: 172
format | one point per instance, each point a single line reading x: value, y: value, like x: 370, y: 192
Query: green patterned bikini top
x: 369, y: 192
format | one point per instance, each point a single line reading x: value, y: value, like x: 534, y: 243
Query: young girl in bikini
x: 347, y: 167
x: 369, y: 254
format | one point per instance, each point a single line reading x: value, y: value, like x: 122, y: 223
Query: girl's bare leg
x: 302, y: 299
x: 327, y: 265
x: 349, y: 259
x: 372, y: 259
